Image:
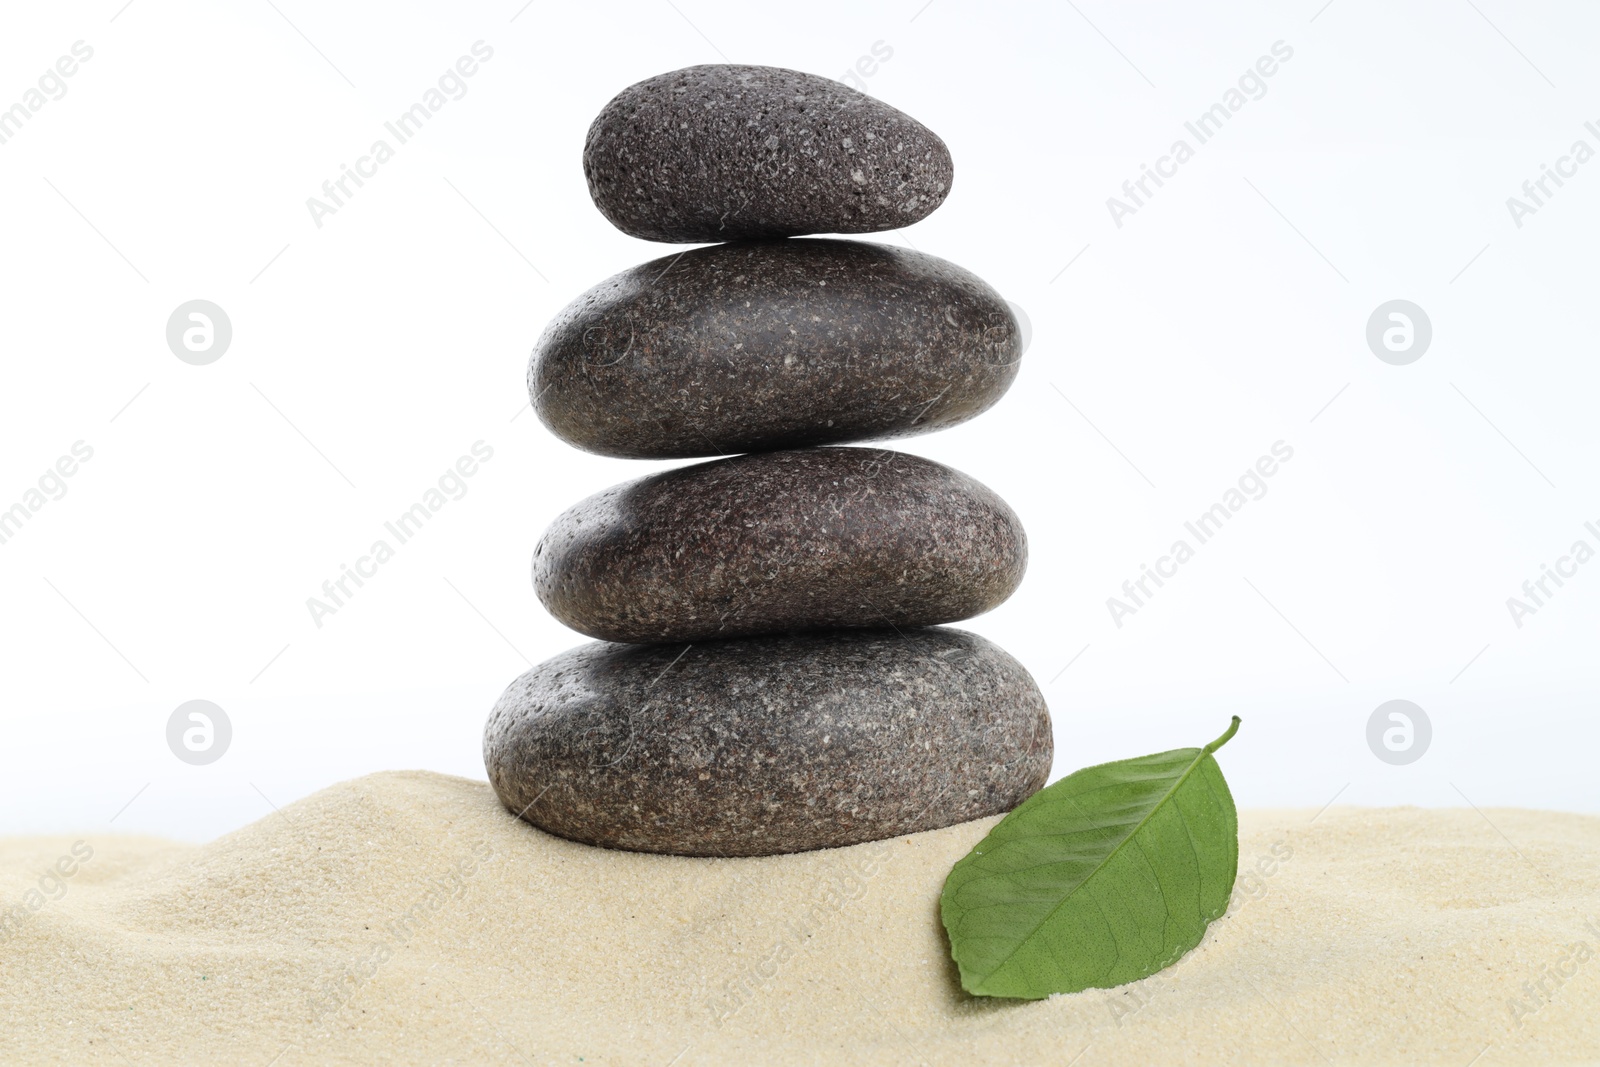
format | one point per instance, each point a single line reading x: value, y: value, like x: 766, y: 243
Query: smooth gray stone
x: 768, y: 744
x: 727, y: 152
x: 775, y: 344
x: 777, y: 542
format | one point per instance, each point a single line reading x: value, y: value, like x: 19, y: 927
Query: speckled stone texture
x: 773, y: 344
x: 777, y: 542
x: 728, y: 152
x: 768, y: 744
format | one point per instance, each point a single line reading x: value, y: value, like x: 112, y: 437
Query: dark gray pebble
x: 726, y: 152
x: 780, y: 541
x: 777, y: 344
x: 770, y: 744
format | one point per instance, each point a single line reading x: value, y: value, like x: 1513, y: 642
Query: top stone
x: 726, y: 152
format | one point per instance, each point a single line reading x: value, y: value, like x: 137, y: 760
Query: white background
x: 1223, y: 316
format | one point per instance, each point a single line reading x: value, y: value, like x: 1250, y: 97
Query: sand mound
x: 405, y: 917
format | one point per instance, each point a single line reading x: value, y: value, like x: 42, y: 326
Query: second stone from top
x: 773, y: 344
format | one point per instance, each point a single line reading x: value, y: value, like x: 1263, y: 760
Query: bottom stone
x: 765, y: 745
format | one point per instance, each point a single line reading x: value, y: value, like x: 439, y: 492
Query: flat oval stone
x: 780, y: 541
x: 768, y: 744
x: 727, y: 152
x: 777, y: 344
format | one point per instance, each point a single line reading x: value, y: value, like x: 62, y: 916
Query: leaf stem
x: 1233, y: 728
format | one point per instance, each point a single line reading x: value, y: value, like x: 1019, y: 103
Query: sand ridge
x: 406, y: 917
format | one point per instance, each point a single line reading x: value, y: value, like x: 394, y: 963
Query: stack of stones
x: 769, y: 674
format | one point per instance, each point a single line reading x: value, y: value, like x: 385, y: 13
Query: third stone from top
x: 779, y: 542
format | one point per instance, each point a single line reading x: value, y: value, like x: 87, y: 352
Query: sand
x: 406, y: 918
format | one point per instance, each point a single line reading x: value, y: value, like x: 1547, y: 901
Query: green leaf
x: 1107, y: 876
